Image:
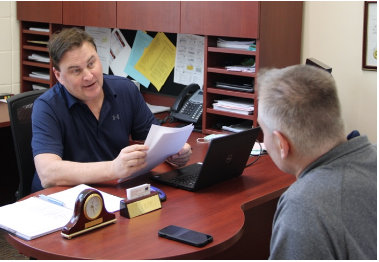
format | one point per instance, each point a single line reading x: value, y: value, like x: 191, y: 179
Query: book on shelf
x: 35, y: 217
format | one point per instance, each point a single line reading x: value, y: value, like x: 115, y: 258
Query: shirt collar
x: 109, y: 94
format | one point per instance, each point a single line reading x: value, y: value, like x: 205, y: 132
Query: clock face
x: 93, y: 206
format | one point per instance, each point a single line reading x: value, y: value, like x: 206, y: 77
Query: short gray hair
x: 302, y: 103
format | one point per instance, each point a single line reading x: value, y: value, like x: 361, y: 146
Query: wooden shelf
x: 36, y: 80
x: 229, y: 114
x: 231, y: 51
x: 28, y: 48
x: 220, y: 91
x: 274, y: 49
x: 36, y: 64
x: 35, y: 48
x: 221, y: 70
x: 33, y: 32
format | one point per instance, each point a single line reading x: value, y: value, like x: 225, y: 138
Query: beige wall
x: 9, y: 48
x: 332, y: 33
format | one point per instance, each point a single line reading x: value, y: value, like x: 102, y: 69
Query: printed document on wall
x: 141, y: 42
x: 158, y: 60
x: 102, y: 38
x: 189, y: 63
x: 119, y: 53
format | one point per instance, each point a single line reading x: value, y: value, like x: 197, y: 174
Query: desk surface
x: 4, y: 115
x: 218, y: 211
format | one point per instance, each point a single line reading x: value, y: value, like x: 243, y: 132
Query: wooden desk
x: 4, y: 115
x: 237, y: 213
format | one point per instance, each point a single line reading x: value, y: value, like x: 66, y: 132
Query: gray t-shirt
x: 330, y: 211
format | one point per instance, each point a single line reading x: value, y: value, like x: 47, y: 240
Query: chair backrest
x: 20, y: 113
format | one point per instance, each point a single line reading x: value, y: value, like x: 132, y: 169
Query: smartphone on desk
x: 185, y: 235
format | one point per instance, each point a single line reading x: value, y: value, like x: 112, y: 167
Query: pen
x: 52, y: 200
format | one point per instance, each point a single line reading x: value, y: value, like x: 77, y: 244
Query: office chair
x: 20, y: 113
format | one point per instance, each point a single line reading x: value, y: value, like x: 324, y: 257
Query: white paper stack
x: 235, y: 105
x: 162, y: 142
x: 39, y: 29
x: 241, y: 68
x: 39, y: 58
x: 42, y: 75
x: 244, y: 45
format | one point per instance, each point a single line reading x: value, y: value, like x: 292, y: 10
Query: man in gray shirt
x: 330, y: 211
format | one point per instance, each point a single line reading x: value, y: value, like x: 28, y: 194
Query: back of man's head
x: 301, y: 102
x: 66, y: 40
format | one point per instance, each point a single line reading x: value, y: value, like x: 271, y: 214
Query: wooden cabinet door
x: 221, y: 18
x: 159, y: 16
x: 40, y: 11
x: 93, y: 13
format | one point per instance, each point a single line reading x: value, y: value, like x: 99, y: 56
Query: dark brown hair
x: 66, y: 40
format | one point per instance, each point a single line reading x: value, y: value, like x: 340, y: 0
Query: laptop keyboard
x: 186, y: 180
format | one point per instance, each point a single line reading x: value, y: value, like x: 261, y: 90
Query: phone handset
x: 188, y: 106
x: 182, y: 97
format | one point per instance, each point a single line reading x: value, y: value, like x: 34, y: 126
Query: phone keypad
x: 194, y: 110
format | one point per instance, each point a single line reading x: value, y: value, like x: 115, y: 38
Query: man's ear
x: 57, y: 75
x: 284, y: 144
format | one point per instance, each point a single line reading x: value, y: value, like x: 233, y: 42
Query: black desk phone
x: 188, y: 106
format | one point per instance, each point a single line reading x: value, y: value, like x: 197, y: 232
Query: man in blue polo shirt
x: 82, y: 125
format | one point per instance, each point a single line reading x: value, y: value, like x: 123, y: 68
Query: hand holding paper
x: 163, y: 142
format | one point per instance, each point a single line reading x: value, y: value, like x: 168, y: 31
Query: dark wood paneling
x: 40, y: 11
x: 94, y: 13
x: 229, y: 18
x: 162, y: 16
x: 280, y: 33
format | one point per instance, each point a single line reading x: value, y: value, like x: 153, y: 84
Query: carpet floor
x: 7, y: 252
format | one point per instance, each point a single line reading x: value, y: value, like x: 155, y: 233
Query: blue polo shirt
x: 65, y: 126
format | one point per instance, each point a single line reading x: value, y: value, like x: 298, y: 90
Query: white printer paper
x: 162, y: 142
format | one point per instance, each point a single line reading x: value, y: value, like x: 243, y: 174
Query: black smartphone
x: 185, y: 235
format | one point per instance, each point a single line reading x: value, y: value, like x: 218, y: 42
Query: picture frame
x: 369, y: 52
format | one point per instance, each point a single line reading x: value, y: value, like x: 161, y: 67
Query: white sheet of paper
x: 68, y: 196
x: 119, y: 63
x: 162, y: 142
x: 102, y: 37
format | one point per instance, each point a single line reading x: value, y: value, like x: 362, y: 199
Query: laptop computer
x: 226, y: 158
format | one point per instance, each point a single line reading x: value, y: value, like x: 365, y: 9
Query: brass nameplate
x: 93, y: 223
x: 144, y: 206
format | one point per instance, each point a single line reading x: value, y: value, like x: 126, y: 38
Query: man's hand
x: 130, y: 160
x: 182, y: 157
